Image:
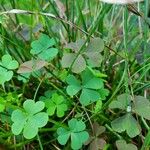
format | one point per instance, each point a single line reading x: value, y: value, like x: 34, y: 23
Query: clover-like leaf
x: 122, y: 102
x: 6, y: 67
x: 122, y: 145
x: 29, y: 120
x: 92, y: 53
x: 142, y: 107
x: 56, y: 103
x: 76, y: 132
x: 43, y: 48
x: 126, y: 123
x: 89, y: 86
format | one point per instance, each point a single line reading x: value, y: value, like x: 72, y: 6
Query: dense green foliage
x: 74, y: 74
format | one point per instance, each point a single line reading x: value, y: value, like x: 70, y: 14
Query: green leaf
x: 2, y: 104
x: 103, y: 93
x: 72, y: 80
x: 142, y: 107
x: 77, y: 133
x: 57, y: 103
x: 43, y: 48
x: 40, y: 119
x: 5, y: 72
x: 18, y: 116
x: 63, y: 136
x: 29, y: 120
x: 17, y: 127
x: 89, y: 86
x: 31, y: 107
x: 19, y: 119
x: 8, y: 63
x: 88, y: 96
x: 78, y: 139
x: 48, y: 54
x: 94, y: 83
x: 86, y: 76
x: 122, y: 102
x: 74, y: 86
x: 122, y: 145
x: 126, y: 123
x: 76, y: 126
x: 30, y: 129
x: 98, y: 106
x: 73, y: 90
x: 47, y: 96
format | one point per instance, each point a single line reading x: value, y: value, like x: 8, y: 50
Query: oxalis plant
x: 88, y: 86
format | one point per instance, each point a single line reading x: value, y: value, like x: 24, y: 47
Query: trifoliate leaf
x: 75, y: 131
x: 89, y: 87
x: 43, y: 48
x: 56, y: 103
x: 91, y: 52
